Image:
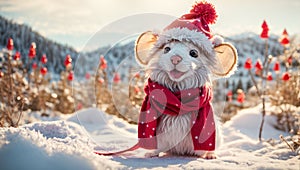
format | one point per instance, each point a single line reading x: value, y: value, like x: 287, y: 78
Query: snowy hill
x: 68, y: 144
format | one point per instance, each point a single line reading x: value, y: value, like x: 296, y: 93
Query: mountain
x: 250, y: 45
x: 23, y: 36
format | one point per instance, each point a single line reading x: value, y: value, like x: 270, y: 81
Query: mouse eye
x: 194, y: 53
x: 166, y: 50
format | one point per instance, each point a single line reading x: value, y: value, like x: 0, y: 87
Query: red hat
x: 193, y: 27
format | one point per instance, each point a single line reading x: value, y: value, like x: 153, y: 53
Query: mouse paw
x: 208, y: 155
x: 151, y: 154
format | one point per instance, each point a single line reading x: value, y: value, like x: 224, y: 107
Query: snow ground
x: 69, y: 144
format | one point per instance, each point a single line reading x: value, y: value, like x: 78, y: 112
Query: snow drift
x: 69, y: 144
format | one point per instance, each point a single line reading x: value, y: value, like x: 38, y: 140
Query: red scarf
x: 160, y: 100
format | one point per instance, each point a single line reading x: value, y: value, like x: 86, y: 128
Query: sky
x: 75, y: 22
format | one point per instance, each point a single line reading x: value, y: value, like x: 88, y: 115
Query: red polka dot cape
x: 160, y: 100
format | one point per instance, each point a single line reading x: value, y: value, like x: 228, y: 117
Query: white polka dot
x: 147, y: 125
x: 153, y: 128
x: 196, y: 137
x: 202, y: 95
x: 154, y: 117
x: 148, y: 111
x: 176, y: 105
x: 153, y: 85
x: 208, y: 133
x: 152, y: 97
x: 210, y: 144
x: 144, y: 134
x: 150, y: 136
x: 194, y: 122
x: 189, y: 94
x: 142, y: 122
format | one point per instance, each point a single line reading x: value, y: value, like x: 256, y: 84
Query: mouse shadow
x: 162, y: 161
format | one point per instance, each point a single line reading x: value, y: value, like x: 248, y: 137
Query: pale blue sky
x: 74, y: 22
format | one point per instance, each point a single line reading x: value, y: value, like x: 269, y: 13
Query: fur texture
x: 196, y: 71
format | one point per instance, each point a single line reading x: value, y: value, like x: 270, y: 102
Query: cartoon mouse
x: 176, y: 116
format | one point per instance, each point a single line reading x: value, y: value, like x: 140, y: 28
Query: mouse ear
x: 227, y: 59
x: 143, y: 45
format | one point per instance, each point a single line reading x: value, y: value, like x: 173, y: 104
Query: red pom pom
x: 205, y: 11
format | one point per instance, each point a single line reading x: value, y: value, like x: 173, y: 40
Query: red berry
x: 44, y: 71
x: 44, y: 59
x: 264, y: 34
x: 101, y: 80
x: 17, y: 55
x: 137, y: 75
x: 290, y: 60
x: 34, y: 65
x: 117, y: 78
x: 286, y: 76
x: 269, y: 77
x: 229, y: 93
x: 79, y: 106
x: 136, y: 89
x: 32, y: 52
x: 10, y: 44
x: 276, y: 66
x: 258, y: 65
x: 265, y: 25
x: 285, y: 33
x: 68, y: 60
x: 285, y: 41
x: 71, y: 76
x: 87, y: 76
x: 103, y: 63
x: 248, y: 64
x: 241, y: 97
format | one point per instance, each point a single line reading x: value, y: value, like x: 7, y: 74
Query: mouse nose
x: 176, y: 59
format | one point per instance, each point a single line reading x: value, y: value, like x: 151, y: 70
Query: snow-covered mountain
x: 23, y: 36
x: 250, y: 45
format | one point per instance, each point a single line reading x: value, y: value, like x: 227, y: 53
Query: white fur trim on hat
x: 183, y: 34
x: 217, y: 40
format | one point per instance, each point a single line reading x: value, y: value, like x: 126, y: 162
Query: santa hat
x: 193, y: 27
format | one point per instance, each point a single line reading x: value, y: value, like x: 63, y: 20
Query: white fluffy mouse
x: 177, y: 116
